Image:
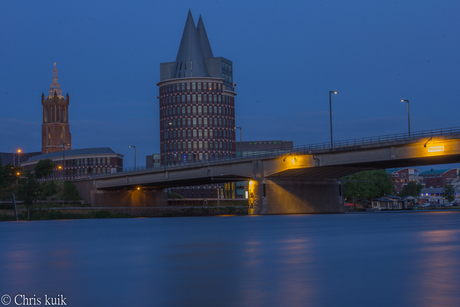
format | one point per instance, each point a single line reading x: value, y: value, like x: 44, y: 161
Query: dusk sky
x: 287, y: 56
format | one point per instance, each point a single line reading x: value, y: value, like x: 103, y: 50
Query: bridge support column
x: 292, y: 195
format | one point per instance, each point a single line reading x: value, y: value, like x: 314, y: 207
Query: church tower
x: 55, y: 128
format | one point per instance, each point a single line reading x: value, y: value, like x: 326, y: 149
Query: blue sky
x: 287, y: 55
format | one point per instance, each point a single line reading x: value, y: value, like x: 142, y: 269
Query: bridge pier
x: 121, y: 197
x: 292, y: 195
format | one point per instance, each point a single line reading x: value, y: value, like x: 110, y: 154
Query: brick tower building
x: 55, y: 127
x: 197, y: 101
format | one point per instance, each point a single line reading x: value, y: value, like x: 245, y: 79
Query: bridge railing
x: 311, y: 148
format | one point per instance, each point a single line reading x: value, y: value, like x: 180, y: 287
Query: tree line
x: 367, y: 185
x: 25, y: 184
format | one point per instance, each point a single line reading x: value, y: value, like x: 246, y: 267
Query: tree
x: 43, y: 168
x: 70, y: 191
x: 367, y: 185
x: 30, y: 190
x: 449, y: 193
x: 413, y: 188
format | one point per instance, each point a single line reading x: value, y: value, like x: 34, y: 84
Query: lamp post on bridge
x: 408, y: 114
x: 330, y: 113
x: 132, y: 146
x: 241, y: 143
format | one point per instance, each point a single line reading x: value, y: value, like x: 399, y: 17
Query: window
x: 199, y: 98
x: 194, y: 122
x: 189, y: 122
x: 205, y: 121
x: 194, y: 133
x: 199, y: 87
x: 194, y: 98
x: 199, y: 122
x: 200, y: 133
x: 193, y: 86
x: 194, y: 110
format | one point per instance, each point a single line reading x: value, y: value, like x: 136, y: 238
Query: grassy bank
x: 47, y: 214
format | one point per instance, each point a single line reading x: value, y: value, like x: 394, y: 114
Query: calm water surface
x: 367, y: 259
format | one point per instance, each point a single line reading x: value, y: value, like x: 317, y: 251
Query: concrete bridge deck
x: 316, y: 167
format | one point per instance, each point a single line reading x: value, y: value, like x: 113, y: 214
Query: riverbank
x: 58, y: 213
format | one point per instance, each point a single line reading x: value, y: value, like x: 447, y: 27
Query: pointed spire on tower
x: 55, y: 87
x: 190, y: 58
x: 204, y: 41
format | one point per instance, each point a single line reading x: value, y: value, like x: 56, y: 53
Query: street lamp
x: 330, y: 113
x: 408, y: 114
x: 19, y: 155
x: 63, y: 171
x: 132, y: 146
x: 241, y: 144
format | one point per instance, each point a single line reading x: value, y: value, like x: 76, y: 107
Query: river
x: 351, y: 259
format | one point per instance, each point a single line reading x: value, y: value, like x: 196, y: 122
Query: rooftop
x: 434, y: 172
x: 74, y: 152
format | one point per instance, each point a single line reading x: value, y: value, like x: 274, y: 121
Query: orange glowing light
x: 18, y: 173
x: 59, y: 167
x: 138, y: 188
x: 19, y: 150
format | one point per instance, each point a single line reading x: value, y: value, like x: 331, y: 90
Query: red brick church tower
x: 55, y: 128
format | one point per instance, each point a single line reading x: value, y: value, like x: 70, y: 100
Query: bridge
x: 305, y: 179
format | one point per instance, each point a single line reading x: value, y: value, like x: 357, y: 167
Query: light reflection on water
x: 439, y: 277
x: 372, y: 259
